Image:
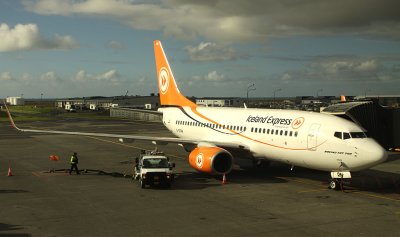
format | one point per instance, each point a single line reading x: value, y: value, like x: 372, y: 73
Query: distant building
x: 100, y: 103
x: 384, y: 100
x: 15, y: 100
x: 219, y: 102
x: 139, y: 102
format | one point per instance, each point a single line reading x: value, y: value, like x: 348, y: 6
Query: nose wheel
x: 336, y: 184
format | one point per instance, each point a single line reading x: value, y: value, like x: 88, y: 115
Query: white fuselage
x: 297, y: 138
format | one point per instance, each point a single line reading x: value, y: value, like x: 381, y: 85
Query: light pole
x: 275, y: 93
x: 250, y: 88
x: 365, y: 93
x: 318, y: 91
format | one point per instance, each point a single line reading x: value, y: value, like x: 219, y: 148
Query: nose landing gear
x: 338, y: 178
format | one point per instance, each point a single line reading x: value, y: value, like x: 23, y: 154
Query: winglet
x: 169, y: 92
x: 9, y: 116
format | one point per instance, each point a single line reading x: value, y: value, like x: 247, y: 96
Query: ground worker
x: 74, y: 163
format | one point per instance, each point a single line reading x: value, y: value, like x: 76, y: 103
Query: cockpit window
x: 358, y: 135
x: 346, y: 135
x: 338, y: 135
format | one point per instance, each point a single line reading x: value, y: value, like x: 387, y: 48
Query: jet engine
x: 213, y: 160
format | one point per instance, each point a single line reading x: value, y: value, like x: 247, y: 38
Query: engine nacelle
x: 213, y: 160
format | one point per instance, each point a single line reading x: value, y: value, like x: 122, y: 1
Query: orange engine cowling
x: 213, y: 160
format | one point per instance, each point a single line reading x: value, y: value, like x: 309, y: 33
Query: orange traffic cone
x: 224, y: 179
x: 9, y: 172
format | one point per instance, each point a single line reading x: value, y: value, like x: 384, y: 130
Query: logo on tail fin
x: 163, y: 80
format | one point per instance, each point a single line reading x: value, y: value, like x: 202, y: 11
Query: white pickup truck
x: 154, y: 168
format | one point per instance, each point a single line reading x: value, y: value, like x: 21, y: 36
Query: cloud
x: 111, y: 76
x: 115, y: 45
x: 348, y: 66
x: 214, y: 76
x: 237, y: 20
x: 208, y: 51
x: 345, y: 70
x: 28, y: 37
x: 6, y: 76
x: 49, y: 77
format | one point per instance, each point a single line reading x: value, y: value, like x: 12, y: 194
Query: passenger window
x: 264, y: 130
x: 272, y: 131
x: 296, y: 133
x: 251, y: 130
x: 268, y: 131
x: 281, y: 133
x: 286, y: 132
x: 291, y: 133
x: 338, y: 135
x: 276, y: 132
x: 346, y: 135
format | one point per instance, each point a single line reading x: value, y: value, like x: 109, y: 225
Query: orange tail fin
x: 169, y: 92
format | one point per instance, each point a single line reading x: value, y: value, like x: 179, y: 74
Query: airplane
x: 216, y: 138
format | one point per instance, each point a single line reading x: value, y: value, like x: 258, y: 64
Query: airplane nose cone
x: 376, y: 153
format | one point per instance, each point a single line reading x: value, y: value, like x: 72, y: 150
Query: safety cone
x: 224, y: 179
x: 9, y: 172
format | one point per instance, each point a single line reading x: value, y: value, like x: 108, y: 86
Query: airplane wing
x: 157, y: 140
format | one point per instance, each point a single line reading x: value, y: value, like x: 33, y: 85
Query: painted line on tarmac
x: 349, y: 191
x: 36, y: 174
x: 302, y: 181
x: 130, y: 146
x: 375, y: 196
x: 313, y: 190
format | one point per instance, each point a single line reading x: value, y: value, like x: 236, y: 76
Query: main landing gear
x: 338, y: 178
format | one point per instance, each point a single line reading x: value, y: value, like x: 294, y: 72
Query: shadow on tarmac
x: 6, y: 227
x: 12, y: 191
x: 368, y: 180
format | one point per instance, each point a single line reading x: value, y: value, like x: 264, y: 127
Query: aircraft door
x: 312, y: 138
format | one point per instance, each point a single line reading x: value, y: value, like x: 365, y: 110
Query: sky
x: 76, y: 48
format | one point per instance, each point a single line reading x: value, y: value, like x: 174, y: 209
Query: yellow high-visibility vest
x: 74, y: 160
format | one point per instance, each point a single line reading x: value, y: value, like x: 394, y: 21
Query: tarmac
x: 105, y: 201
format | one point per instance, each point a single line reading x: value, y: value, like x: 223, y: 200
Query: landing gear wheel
x: 334, y: 184
x: 261, y: 164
